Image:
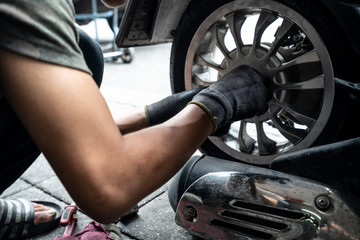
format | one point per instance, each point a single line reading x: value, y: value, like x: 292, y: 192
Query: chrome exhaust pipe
x: 258, y: 203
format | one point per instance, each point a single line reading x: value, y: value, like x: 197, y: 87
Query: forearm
x: 131, y: 122
x: 167, y: 146
x: 150, y: 157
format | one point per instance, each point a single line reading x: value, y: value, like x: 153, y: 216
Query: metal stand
x: 110, y: 50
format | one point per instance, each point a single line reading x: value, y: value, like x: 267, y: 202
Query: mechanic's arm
x: 104, y: 172
x: 114, y: 3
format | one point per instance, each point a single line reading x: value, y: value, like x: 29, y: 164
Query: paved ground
x: 125, y: 87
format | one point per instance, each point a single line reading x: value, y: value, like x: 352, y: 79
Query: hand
x: 239, y: 94
x: 166, y: 108
x: 221, y: 131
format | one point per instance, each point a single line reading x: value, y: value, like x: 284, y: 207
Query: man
x: 102, y: 161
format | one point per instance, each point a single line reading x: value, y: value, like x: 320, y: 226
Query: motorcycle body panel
x: 150, y: 22
x: 155, y: 21
x: 250, y: 202
x: 263, y: 204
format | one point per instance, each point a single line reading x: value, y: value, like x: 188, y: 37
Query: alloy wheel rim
x: 299, y: 69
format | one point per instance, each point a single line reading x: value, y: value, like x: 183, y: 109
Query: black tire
x: 334, y: 59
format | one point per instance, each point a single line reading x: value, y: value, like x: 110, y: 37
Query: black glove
x: 239, y: 94
x: 168, y: 107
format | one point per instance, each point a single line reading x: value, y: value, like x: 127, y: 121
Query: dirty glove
x: 239, y: 94
x: 166, y: 108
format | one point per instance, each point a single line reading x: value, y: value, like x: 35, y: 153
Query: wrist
x: 146, y: 112
x: 208, y: 113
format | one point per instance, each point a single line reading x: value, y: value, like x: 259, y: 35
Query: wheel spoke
x: 265, y: 19
x: 294, y: 135
x: 219, y: 32
x: 198, y: 80
x: 246, y: 143
x: 266, y: 145
x: 303, y: 118
x: 309, y: 57
x: 206, y: 60
x: 235, y: 22
x: 314, y: 83
x: 281, y: 33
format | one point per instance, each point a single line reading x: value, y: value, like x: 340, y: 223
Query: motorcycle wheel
x: 292, y: 43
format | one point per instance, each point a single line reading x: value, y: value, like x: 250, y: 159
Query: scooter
x: 301, y: 46
x: 292, y: 173
x: 310, y: 194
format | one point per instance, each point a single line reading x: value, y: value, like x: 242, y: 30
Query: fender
x: 347, y: 12
x: 150, y: 22
x: 147, y: 22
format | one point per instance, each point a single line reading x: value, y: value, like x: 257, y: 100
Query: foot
x: 43, y: 214
x: 21, y: 218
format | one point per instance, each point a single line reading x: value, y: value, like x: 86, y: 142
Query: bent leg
x: 17, y: 150
x: 93, y: 56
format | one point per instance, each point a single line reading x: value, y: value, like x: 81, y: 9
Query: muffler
x: 258, y: 203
